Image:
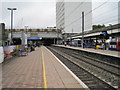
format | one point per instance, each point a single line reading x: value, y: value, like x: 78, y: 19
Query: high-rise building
x: 69, y: 16
x: 60, y: 14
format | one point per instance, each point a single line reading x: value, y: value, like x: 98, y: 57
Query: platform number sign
x: 104, y: 34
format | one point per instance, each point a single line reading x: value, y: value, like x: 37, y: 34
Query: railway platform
x: 39, y: 69
x: 99, y: 51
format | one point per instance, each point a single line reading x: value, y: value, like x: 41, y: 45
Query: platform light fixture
x: 11, y: 9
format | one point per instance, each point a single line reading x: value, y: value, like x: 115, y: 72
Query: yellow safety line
x: 44, y: 72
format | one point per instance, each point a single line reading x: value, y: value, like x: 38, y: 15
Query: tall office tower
x: 69, y: 15
x: 60, y: 14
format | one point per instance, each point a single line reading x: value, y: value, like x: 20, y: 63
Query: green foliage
x: 98, y: 26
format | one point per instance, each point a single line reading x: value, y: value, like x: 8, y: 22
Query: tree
x: 98, y: 26
x: 30, y: 30
x: 38, y: 30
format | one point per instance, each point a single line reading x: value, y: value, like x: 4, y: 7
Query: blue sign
x: 34, y: 38
x: 104, y: 34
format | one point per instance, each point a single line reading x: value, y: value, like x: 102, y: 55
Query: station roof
x: 109, y: 29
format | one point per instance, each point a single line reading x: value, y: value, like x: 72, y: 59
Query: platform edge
x: 79, y: 81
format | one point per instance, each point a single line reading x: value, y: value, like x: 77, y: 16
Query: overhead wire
x: 101, y: 15
x: 108, y: 20
x: 75, y: 9
x: 88, y: 13
x: 113, y: 19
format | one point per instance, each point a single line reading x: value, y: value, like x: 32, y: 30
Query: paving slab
x: 23, y: 72
x: 61, y: 78
x: 28, y: 72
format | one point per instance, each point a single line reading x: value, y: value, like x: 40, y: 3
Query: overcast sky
x: 42, y: 13
x: 32, y: 14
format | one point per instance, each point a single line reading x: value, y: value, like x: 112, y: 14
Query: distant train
x: 114, y: 44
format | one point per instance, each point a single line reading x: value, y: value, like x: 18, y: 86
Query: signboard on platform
x: 36, y: 38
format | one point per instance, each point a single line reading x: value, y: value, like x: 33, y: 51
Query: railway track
x: 95, y: 73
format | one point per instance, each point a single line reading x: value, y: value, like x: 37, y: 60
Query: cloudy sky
x: 42, y: 13
x: 107, y: 13
x: 32, y: 14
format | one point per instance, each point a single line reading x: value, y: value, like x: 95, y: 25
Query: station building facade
x: 69, y: 16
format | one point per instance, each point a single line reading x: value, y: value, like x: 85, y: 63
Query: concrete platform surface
x: 99, y: 51
x: 40, y: 69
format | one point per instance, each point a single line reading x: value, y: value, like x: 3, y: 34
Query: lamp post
x: 57, y: 36
x: 71, y: 37
x: 11, y: 9
x: 111, y: 28
x: 82, y: 29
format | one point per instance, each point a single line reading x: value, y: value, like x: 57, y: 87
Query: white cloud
x: 41, y: 13
x: 35, y: 15
x: 28, y: 0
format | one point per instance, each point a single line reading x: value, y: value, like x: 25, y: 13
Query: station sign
x: 104, y: 33
x: 34, y: 38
